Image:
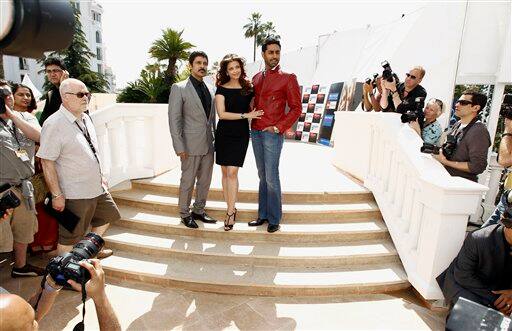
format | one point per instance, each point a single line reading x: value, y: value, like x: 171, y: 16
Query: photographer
x: 55, y: 73
x: 17, y: 314
x: 432, y: 130
x: 372, y: 93
x: 18, y: 133
x: 393, y: 94
x: 504, y: 156
x: 482, y: 271
x: 470, y: 137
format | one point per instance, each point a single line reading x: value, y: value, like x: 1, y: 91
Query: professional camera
x: 388, y: 73
x: 9, y: 200
x: 448, y: 147
x: 412, y: 111
x: 506, y: 106
x: 3, y: 93
x: 67, y: 266
x: 372, y: 80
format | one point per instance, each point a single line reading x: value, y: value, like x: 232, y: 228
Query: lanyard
x: 88, y: 138
x: 12, y: 131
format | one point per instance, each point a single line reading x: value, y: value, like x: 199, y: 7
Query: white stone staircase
x: 329, y: 244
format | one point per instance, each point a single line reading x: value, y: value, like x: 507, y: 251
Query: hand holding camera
x: 95, y: 287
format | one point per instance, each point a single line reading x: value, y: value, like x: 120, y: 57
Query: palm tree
x: 253, y: 29
x: 173, y: 48
x: 152, y: 84
x: 267, y: 29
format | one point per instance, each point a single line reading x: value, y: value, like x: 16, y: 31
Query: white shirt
x: 63, y: 142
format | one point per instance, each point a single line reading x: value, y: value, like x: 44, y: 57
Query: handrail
x: 134, y: 141
x: 424, y: 208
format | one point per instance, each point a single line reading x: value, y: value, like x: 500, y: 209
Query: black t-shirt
x: 416, y: 92
x: 53, y: 102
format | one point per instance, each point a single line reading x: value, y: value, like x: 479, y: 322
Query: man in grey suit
x: 192, y: 122
x: 482, y: 271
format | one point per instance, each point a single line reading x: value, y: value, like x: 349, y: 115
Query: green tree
x: 76, y: 58
x: 253, y: 29
x: 172, y: 48
x: 152, y: 84
x: 267, y: 29
x: 132, y: 94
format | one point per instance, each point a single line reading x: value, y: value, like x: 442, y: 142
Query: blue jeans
x: 267, y: 148
x: 498, y: 212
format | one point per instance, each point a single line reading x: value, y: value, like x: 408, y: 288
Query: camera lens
x: 88, y: 247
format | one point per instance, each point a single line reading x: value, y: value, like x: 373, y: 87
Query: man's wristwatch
x: 276, y: 130
x: 242, y: 116
x: 506, y: 134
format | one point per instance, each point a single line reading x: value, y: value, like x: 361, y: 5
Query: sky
x: 130, y: 27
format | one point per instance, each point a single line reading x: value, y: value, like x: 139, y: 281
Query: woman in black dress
x: 233, y: 103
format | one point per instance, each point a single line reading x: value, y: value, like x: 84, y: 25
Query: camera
x: 388, y: 73
x: 9, y: 200
x: 65, y: 267
x: 448, y: 147
x: 372, y: 80
x: 412, y: 111
x: 506, y: 106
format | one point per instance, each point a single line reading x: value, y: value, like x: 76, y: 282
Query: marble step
x: 321, y: 213
x: 310, y: 232
x: 255, y: 280
x: 243, y: 252
x: 252, y: 195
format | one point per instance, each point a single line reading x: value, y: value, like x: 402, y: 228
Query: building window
x: 100, y: 69
x: 98, y: 37
x: 96, y: 16
x: 98, y: 53
x: 23, y: 63
x: 76, y: 5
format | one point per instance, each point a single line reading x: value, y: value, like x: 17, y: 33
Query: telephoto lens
x: 65, y: 267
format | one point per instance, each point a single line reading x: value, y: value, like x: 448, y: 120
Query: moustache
x: 203, y: 70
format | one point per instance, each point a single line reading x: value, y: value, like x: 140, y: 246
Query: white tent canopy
x: 432, y: 37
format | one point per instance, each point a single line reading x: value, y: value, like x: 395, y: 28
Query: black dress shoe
x: 258, y: 222
x: 272, y: 228
x: 189, y: 222
x: 203, y: 218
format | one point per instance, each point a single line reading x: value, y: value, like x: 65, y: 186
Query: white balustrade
x: 425, y: 209
x: 134, y: 141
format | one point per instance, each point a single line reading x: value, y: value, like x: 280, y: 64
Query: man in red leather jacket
x: 273, y: 90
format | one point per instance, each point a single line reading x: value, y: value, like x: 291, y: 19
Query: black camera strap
x: 459, y: 134
x: 81, y: 326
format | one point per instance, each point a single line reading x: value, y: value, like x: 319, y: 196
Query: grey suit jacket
x: 191, y: 131
x: 476, y: 270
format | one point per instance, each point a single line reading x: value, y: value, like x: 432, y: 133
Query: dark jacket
x: 272, y: 92
x: 53, y: 102
x: 479, y: 268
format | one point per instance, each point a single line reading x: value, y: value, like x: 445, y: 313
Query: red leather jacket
x: 272, y: 92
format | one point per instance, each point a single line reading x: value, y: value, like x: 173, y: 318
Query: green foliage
x: 76, y: 59
x: 132, y: 94
x: 173, y: 48
x: 152, y: 84
x: 258, y: 30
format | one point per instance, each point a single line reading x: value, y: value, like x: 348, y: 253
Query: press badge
x: 23, y: 155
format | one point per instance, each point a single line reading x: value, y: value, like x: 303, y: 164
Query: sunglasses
x: 80, y: 95
x: 464, y: 102
x: 53, y: 71
x: 410, y: 76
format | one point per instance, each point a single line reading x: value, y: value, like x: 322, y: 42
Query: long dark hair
x: 223, y: 76
x: 33, y: 104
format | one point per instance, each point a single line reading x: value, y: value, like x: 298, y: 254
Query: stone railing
x: 425, y: 209
x: 134, y: 141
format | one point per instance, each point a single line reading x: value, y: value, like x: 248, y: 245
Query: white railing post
x: 425, y: 209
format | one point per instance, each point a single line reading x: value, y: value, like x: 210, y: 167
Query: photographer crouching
x: 18, y: 314
x: 394, y: 93
x: 465, y: 152
x: 18, y: 133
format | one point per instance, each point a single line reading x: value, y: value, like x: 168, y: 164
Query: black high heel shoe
x: 227, y: 225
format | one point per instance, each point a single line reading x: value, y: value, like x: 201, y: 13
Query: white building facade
x: 91, y: 12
